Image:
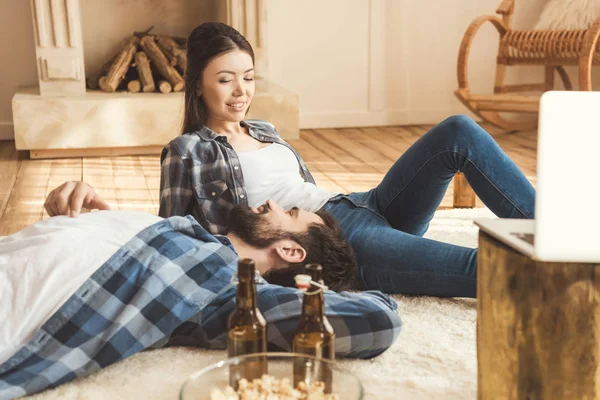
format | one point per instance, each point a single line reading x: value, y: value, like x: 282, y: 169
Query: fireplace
x: 61, y: 117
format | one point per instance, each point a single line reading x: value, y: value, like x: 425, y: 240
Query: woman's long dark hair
x: 205, y: 43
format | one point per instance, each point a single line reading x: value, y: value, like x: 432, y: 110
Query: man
x: 79, y: 294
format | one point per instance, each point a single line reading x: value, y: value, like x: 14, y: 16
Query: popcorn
x: 270, y: 388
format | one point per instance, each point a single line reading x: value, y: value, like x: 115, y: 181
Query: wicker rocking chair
x: 553, y: 49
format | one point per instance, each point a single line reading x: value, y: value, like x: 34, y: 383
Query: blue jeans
x: 385, y: 225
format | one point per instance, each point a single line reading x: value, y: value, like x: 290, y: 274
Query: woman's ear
x: 290, y: 251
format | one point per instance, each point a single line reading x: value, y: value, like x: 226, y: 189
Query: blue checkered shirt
x: 171, y: 285
x: 201, y: 175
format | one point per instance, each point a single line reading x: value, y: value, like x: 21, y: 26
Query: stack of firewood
x: 146, y: 63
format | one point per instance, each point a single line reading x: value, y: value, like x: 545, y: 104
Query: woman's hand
x: 70, y: 197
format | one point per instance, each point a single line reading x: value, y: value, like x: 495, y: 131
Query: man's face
x: 260, y: 227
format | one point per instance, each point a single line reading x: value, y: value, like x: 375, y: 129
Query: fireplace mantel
x: 60, y: 118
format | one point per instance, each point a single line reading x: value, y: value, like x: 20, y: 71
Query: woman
x: 221, y: 160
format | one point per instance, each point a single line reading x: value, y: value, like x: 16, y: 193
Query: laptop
x: 566, y: 227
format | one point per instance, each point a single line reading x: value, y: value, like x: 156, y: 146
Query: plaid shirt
x: 171, y: 285
x: 201, y: 175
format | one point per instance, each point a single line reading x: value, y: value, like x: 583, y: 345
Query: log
x: 168, y: 53
x: 172, y: 51
x: 93, y: 81
x: 162, y: 64
x: 130, y: 75
x: 181, y: 41
x: 102, y: 81
x: 141, y: 34
x: 134, y: 86
x: 144, y: 72
x: 164, y: 87
x: 119, y: 66
x: 538, y: 334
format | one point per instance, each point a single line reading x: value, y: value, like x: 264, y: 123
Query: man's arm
x: 70, y: 197
x: 366, y: 324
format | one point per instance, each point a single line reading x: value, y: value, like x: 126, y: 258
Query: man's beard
x: 253, y: 228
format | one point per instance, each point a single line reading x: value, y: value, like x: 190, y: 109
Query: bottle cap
x: 303, y: 282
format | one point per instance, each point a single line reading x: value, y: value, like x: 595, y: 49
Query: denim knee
x: 463, y: 131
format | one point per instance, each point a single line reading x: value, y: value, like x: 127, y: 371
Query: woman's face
x: 227, y: 86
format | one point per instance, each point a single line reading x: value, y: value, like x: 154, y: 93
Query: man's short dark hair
x: 324, y: 245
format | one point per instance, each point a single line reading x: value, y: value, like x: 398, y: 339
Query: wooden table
x: 538, y: 326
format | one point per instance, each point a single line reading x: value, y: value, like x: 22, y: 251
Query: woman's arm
x: 176, y: 191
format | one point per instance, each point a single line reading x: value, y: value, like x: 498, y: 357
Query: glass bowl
x: 279, y: 365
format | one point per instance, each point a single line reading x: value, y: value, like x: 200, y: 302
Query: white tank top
x: 272, y: 173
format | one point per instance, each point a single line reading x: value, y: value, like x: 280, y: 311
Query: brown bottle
x: 314, y: 335
x: 247, y: 328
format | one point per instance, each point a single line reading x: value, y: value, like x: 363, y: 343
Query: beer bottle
x: 314, y: 335
x: 247, y: 328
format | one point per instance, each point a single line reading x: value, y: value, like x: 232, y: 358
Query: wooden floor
x: 343, y: 160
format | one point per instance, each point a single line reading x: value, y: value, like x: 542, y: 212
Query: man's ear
x: 290, y: 251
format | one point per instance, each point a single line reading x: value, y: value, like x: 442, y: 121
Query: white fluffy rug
x: 569, y: 14
x: 434, y: 357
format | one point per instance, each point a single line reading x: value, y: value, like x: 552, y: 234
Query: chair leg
x: 464, y: 196
x: 564, y: 77
x: 586, y: 58
x: 549, y: 77
x: 500, y: 77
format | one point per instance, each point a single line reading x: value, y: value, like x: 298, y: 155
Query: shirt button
x: 242, y: 196
x: 236, y: 167
x: 214, y: 194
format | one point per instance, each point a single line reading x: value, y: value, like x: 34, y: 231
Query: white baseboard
x: 376, y: 118
x: 6, y: 131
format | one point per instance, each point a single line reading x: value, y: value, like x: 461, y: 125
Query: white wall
x: 378, y: 62
x: 17, y: 67
x: 105, y: 23
x: 353, y: 62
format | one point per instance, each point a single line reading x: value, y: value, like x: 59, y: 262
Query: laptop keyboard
x: 528, y: 237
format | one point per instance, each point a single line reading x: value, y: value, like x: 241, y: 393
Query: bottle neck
x: 313, y: 304
x: 246, y: 294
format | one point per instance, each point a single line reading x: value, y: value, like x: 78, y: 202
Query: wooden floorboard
x: 26, y: 202
x: 341, y: 160
x: 120, y: 181
x: 151, y: 169
x: 357, y: 177
x: 10, y: 162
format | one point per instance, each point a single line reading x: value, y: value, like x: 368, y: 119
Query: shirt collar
x: 225, y: 241
x: 207, y: 134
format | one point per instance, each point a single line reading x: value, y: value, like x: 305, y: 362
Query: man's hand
x: 68, y: 198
